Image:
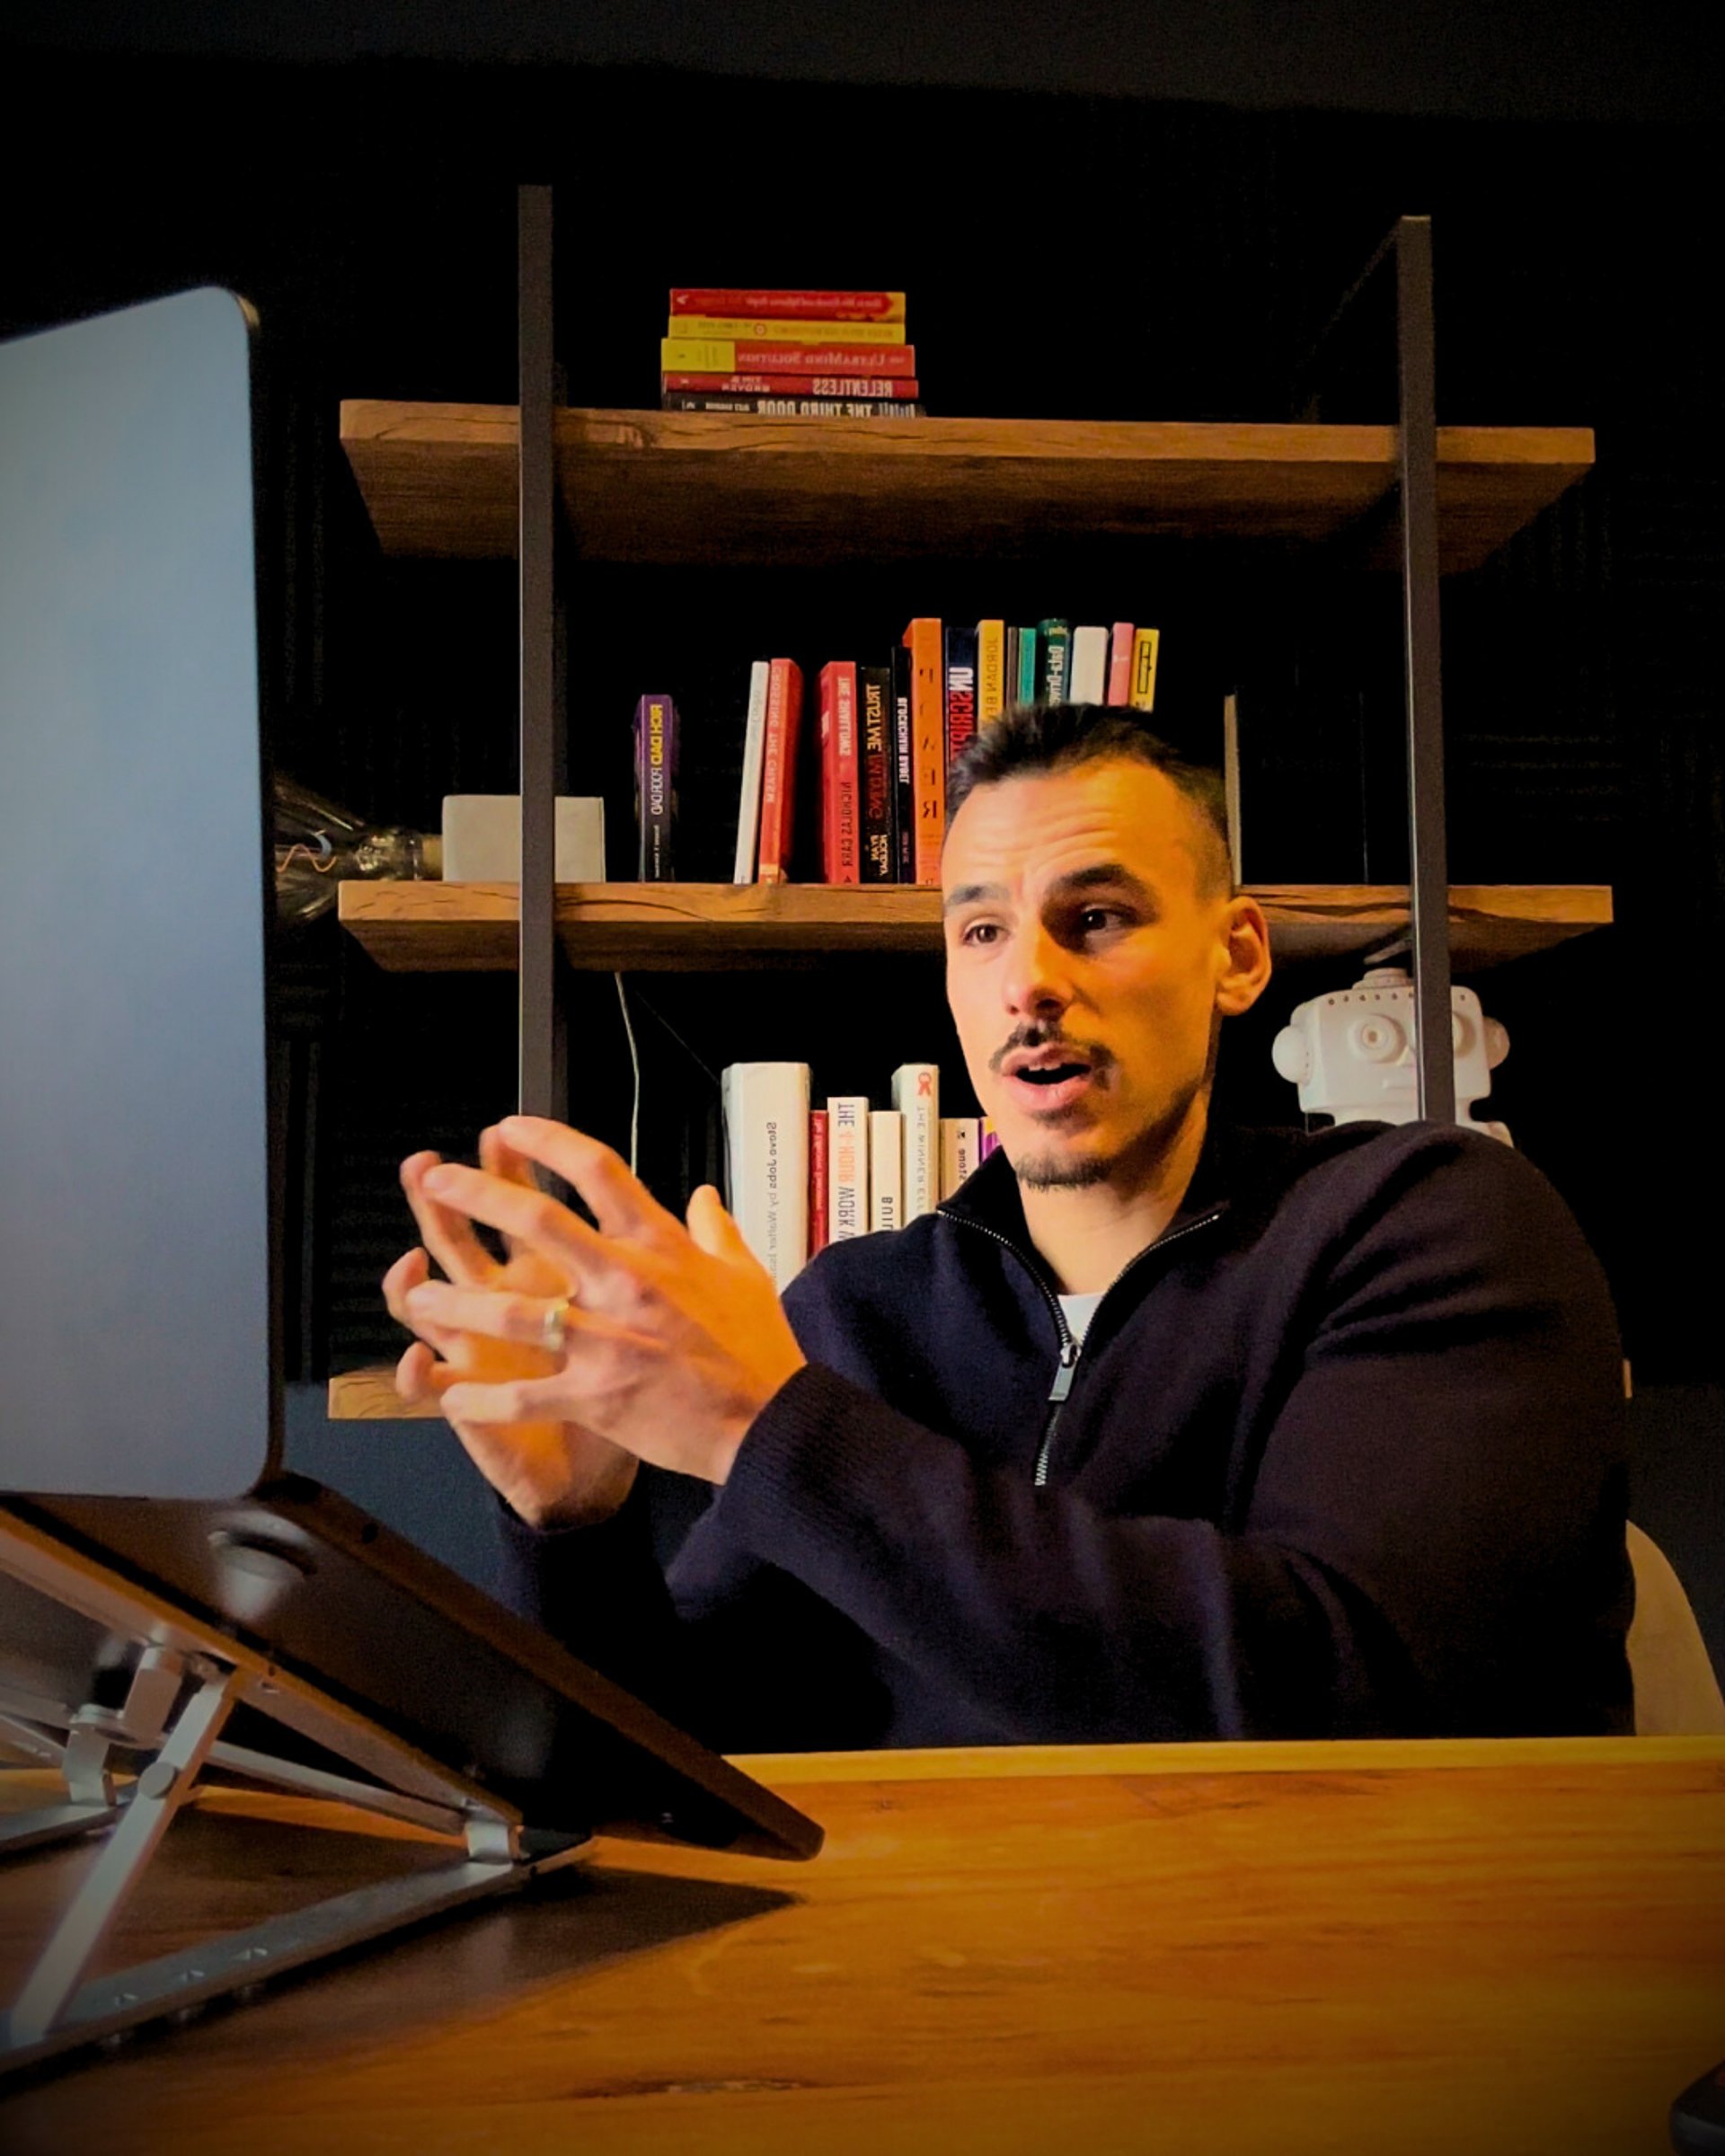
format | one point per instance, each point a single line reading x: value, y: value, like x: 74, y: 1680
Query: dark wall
x: 1069, y: 255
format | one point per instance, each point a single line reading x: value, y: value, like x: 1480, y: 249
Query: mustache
x: 1049, y: 1037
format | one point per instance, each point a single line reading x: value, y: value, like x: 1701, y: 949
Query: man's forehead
x: 1061, y: 827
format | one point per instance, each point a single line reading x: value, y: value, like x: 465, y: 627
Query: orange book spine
x: 925, y: 640
x: 779, y: 768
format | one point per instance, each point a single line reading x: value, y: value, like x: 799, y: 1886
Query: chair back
x: 1676, y: 1693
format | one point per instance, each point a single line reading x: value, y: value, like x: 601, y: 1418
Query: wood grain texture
x: 690, y: 487
x: 712, y: 927
x: 1319, y: 1951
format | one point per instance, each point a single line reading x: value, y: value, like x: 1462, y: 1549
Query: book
x: 766, y: 329
x: 847, y: 1135
x: 886, y: 1169
x: 917, y: 1096
x: 904, y: 772
x: 735, y: 356
x: 840, y: 861
x: 821, y: 1218
x: 1087, y: 665
x: 958, y: 1153
x: 1030, y: 677
x: 1230, y: 778
x: 960, y: 663
x: 748, y: 807
x: 779, y: 768
x: 766, y: 1162
x: 656, y: 747
x: 1145, y: 645
x: 875, y: 728
x: 1053, y: 643
x: 988, y: 1139
x: 904, y: 386
x: 823, y: 307
x: 795, y: 408
x: 991, y: 670
x: 928, y: 746
x: 1120, y: 663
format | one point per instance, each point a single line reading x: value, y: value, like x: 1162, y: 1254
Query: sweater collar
x: 989, y: 1197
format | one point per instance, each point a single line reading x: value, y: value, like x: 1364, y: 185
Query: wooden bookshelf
x: 714, y: 927
x: 439, y: 480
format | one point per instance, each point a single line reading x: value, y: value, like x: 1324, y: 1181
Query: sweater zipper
x: 1071, y: 1347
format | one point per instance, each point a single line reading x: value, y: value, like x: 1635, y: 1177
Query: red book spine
x: 819, y: 1221
x: 884, y: 386
x: 817, y: 307
x: 779, y: 768
x: 893, y: 360
x: 840, y: 859
x: 1120, y: 663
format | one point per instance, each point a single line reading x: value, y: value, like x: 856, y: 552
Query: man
x: 1154, y: 1430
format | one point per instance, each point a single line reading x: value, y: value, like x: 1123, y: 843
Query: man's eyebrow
x: 971, y: 894
x: 1113, y: 874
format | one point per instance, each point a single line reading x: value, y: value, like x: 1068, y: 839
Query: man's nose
x: 1038, y: 982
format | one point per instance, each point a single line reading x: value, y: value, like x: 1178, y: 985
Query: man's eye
x: 980, y: 932
x: 1095, y: 919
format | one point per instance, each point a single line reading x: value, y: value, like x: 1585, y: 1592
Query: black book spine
x: 904, y: 787
x: 874, y: 695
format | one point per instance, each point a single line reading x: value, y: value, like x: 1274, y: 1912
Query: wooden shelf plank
x: 689, y: 487
x: 370, y: 1396
x: 714, y: 927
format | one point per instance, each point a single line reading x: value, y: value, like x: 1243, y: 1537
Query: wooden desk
x: 1482, y: 1950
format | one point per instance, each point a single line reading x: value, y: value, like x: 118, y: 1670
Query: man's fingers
x: 522, y: 1318
x: 421, y: 1379
x: 445, y: 1233
x: 522, y: 1400
x: 712, y: 1228
x: 620, y: 1202
x: 526, y: 1215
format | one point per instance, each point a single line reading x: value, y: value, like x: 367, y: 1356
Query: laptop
x: 139, y: 1255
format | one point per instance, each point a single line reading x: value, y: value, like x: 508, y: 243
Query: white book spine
x: 916, y: 1095
x: 1087, y: 680
x: 961, y: 1136
x: 886, y: 1169
x: 767, y: 1159
x: 748, y: 809
x: 847, y: 1167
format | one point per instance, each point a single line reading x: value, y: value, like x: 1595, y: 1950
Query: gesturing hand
x: 672, y: 1338
x: 549, y: 1471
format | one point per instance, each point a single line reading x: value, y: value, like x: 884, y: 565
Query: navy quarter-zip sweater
x: 1342, y: 1454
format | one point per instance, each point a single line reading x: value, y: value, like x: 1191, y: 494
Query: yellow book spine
x: 991, y: 670
x: 697, y: 355
x: 768, y: 332
x: 1146, y: 644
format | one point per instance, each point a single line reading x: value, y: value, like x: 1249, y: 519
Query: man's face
x: 1089, y: 948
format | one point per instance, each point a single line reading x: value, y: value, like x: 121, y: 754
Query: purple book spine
x: 656, y: 746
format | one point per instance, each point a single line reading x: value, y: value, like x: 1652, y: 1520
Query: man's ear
x: 1245, y: 963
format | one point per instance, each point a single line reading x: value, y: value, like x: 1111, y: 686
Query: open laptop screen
x: 134, y: 1273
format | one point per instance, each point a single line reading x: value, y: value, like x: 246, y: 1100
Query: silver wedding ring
x: 553, y: 1332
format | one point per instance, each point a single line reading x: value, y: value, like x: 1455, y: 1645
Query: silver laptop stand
x: 186, y: 1681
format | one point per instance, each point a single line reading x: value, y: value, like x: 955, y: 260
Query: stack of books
x: 792, y: 355
x: 889, y: 732
x: 801, y: 1177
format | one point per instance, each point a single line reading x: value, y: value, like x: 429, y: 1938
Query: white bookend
x: 916, y: 1095
x: 961, y: 1137
x: 847, y: 1166
x: 766, y: 1162
x: 886, y: 1168
x: 748, y: 807
x: 1087, y: 681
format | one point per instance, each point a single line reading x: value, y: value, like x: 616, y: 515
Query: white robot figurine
x: 1351, y: 1053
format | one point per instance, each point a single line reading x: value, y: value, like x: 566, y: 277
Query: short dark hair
x: 1032, y: 737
